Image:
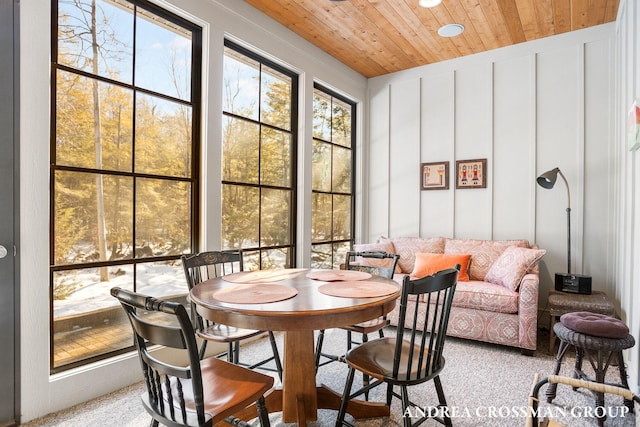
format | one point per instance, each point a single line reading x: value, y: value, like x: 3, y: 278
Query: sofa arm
x: 528, y: 311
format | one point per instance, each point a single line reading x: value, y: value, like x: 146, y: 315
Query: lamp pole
x: 568, y: 222
x: 547, y: 180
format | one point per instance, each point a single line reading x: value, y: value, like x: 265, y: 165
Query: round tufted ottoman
x: 599, y: 338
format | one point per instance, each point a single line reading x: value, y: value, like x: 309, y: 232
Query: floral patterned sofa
x: 498, y: 303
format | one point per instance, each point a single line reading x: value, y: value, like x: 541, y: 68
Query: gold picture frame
x: 471, y: 173
x: 434, y: 176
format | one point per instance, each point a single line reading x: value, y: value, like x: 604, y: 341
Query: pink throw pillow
x: 509, y: 269
x: 483, y: 253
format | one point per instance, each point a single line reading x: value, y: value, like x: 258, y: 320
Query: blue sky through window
x: 163, y: 50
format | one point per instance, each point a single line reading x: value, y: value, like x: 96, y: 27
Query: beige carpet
x: 485, y: 385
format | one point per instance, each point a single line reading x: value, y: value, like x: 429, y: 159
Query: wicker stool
x: 598, y: 349
x: 562, y: 302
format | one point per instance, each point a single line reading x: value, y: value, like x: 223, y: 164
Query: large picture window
x: 124, y: 166
x: 258, y: 159
x: 332, y: 178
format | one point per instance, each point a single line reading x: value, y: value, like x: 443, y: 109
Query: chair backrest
x: 419, y: 345
x: 382, y: 267
x: 207, y: 265
x: 157, y: 322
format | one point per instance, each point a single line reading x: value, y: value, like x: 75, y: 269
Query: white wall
x: 526, y: 109
x: 626, y: 198
x: 42, y: 393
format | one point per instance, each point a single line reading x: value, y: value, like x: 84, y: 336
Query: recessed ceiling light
x: 451, y: 30
x: 429, y: 3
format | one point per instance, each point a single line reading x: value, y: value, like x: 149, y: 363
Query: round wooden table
x: 298, y: 316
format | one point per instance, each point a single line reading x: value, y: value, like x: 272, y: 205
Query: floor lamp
x: 568, y: 282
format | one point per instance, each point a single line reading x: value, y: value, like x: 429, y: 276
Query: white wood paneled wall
x: 473, y: 103
x: 626, y: 197
x: 526, y: 109
x: 404, y: 144
x: 514, y: 137
x: 437, y: 207
x: 378, y: 167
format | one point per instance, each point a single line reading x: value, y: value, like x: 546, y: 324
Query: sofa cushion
x: 483, y: 253
x: 511, y: 266
x: 407, y: 247
x: 427, y: 264
x: 385, y: 246
x: 485, y: 296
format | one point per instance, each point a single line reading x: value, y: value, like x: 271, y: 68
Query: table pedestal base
x: 327, y: 399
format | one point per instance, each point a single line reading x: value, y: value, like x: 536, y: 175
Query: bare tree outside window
x: 123, y: 152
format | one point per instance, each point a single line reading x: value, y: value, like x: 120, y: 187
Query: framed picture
x: 471, y: 173
x: 434, y: 176
x: 633, y: 126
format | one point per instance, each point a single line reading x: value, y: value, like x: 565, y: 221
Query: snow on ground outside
x: 160, y: 280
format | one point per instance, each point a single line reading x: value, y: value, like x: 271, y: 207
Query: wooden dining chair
x: 414, y: 355
x: 381, y: 264
x: 202, y: 393
x: 207, y: 265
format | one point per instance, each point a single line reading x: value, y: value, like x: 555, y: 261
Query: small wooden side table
x: 560, y: 303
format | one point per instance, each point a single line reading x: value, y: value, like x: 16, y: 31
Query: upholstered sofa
x: 496, y: 299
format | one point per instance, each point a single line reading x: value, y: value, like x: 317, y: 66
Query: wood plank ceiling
x: 376, y: 37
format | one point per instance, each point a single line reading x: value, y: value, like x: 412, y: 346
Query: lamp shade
x: 548, y: 179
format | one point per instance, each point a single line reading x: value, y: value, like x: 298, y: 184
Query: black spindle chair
x: 202, y: 393
x: 385, y: 266
x: 207, y: 265
x: 414, y: 355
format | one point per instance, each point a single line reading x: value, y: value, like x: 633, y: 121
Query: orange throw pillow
x: 428, y: 264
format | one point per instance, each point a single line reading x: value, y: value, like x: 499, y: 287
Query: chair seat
x: 225, y: 333
x: 225, y: 386
x: 368, y: 326
x: 375, y: 358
